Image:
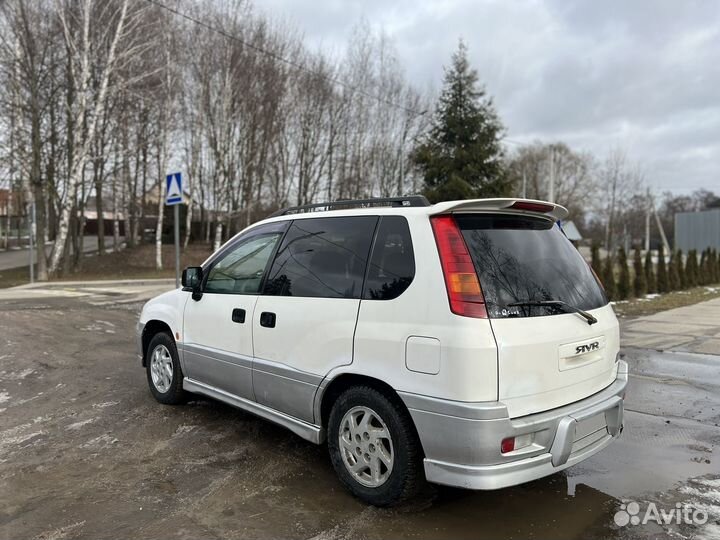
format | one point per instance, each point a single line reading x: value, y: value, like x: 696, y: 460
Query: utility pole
x: 647, y: 221
x: 176, y: 218
x: 31, y: 217
x: 551, y: 195
x: 665, y: 242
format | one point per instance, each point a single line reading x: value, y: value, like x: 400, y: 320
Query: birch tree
x: 100, y: 51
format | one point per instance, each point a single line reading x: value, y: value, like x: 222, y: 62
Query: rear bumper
x: 462, y: 440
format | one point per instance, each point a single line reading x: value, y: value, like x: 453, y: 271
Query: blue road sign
x: 173, y: 193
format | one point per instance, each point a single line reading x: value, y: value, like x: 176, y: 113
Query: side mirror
x: 192, y: 278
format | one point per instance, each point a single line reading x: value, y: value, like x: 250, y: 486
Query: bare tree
x: 618, y: 181
x: 99, y: 52
x: 575, y: 179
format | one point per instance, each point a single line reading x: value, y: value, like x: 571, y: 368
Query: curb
x: 94, y: 283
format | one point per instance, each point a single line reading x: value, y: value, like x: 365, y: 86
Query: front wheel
x: 164, y: 374
x: 373, y: 447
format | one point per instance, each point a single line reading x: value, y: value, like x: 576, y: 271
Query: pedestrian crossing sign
x: 173, y: 194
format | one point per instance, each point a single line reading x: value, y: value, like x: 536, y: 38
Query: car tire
x: 164, y: 374
x: 383, y: 465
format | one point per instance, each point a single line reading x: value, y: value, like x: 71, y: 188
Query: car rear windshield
x: 527, y: 259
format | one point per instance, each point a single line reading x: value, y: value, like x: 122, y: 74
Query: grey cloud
x: 641, y: 75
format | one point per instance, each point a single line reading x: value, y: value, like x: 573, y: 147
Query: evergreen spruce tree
x: 639, y: 282
x: 673, y: 274
x: 649, y: 268
x: 681, y: 269
x: 662, y: 277
x: 623, y: 286
x: 706, y: 267
x: 714, y: 266
x: 702, y: 278
x: 595, y: 262
x: 711, y: 266
x: 608, y: 278
x: 691, y: 269
x: 462, y: 156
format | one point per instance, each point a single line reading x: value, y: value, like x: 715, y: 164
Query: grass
x: 135, y: 263
x: 647, y: 306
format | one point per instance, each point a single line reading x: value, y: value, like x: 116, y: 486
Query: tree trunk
x: 188, y: 224
x: 116, y: 220
x: 159, y: 226
x: 218, y: 235
x: 100, y: 208
x: 40, y: 228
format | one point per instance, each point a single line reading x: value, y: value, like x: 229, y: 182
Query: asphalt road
x: 16, y: 258
x: 85, y: 452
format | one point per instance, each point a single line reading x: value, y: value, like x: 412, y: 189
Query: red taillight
x: 507, y: 445
x: 532, y: 206
x: 463, y: 288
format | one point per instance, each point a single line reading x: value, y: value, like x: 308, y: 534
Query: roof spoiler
x: 523, y: 206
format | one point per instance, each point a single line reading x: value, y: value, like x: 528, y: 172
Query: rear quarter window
x: 392, y: 263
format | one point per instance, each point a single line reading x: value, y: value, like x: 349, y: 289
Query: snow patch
x: 78, y: 425
x: 103, y: 441
x: 62, y: 532
x: 16, y: 436
x: 105, y: 404
x: 4, y: 396
x: 99, y: 326
x: 16, y: 375
x: 183, y: 429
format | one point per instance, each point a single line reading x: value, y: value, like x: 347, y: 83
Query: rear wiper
x: 558, y: 303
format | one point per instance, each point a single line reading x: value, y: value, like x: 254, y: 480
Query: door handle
x: 267, y: 319
x: 238, y: 315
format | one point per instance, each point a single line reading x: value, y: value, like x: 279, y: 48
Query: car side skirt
x: 307, y: 431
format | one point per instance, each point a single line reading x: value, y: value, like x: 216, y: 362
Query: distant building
x: 697, y: 230
x: 571, y: 231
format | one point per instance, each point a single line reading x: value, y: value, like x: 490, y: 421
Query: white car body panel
x: 167, y: 308
x: 468, y: 355
x: 474, y: 382
x: 535, y: 377
x: 311, y: 337
x: 216, y: 350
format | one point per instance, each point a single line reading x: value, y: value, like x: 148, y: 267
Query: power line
x: 298, y: 65
x: 511, y: 141
x: 283, y: 59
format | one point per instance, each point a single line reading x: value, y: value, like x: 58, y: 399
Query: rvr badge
x: 594, y: 346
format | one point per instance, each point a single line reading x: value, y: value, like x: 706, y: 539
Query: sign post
x: 173, y: 197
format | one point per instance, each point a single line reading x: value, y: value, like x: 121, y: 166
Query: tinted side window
x: 241, y: 269
x: 239, y: 266
x: 323, y: 257
x: 392, y: 263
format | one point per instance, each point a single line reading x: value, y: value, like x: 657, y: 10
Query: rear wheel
x: 373, y: 447
x: 163, y: 370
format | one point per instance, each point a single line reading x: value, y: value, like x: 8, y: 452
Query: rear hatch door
x: 547, y: 357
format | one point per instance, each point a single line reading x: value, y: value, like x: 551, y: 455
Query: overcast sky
x: 641, y: 75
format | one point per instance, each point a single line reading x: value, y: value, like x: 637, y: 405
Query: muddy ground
x: 85, y: 452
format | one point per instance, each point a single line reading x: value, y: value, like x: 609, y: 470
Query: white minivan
x: 465, y: 343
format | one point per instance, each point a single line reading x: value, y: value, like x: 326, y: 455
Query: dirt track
x: 85, y: 452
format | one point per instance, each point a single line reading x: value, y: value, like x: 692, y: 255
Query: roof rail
x: 406, y: 202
